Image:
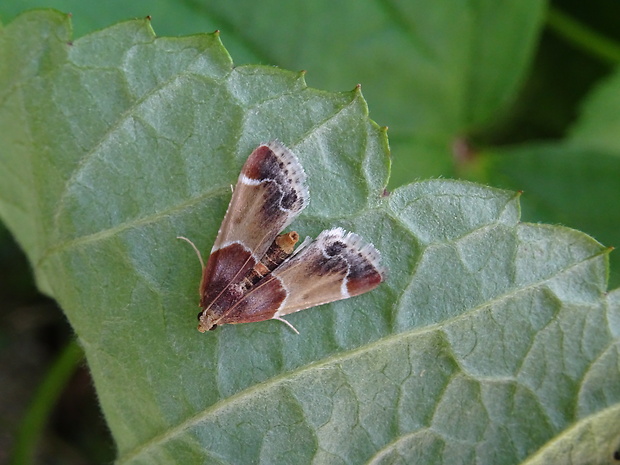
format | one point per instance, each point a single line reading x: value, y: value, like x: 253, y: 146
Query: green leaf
x: 491, y: 340
x: 599, y: 124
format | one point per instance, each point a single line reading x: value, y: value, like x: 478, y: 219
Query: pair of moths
x: 254, y: 273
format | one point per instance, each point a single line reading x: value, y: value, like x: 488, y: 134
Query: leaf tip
x: 357, y: 92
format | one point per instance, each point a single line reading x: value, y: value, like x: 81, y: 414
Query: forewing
x: 269, y: 194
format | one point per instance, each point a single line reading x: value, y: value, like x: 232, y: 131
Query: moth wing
x: 269, y: 194
x: 336, y: 266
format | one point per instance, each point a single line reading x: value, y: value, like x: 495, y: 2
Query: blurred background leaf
x: 480, y: 90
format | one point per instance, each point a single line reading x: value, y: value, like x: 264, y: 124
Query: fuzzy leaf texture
x: 492, y: 341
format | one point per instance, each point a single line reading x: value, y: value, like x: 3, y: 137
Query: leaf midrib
x: 144, y: 220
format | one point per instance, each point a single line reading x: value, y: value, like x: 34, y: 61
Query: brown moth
x: 254, y: 274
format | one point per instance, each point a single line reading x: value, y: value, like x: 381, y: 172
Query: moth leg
x: 287, y: 323
x: 202, y: 263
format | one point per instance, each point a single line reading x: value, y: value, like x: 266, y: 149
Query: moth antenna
x: 202, y: 263
x: 287, y: 323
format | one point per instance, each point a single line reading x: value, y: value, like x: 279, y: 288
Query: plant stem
x: 42, y: 403
x: 583, y: 37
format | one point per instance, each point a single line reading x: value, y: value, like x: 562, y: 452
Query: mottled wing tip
x: 296, y: 174
x: 356, y: 245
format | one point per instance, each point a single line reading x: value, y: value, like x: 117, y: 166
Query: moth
x: 254, y: 273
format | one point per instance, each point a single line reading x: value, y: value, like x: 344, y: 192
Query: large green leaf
x: 491, y: 341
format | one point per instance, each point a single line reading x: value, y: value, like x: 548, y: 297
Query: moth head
x: 206, y: 321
